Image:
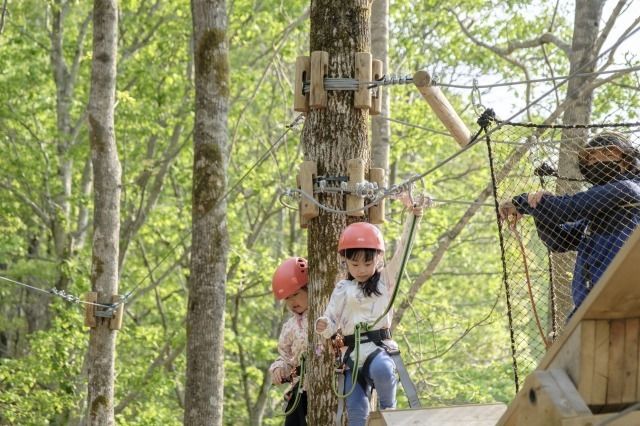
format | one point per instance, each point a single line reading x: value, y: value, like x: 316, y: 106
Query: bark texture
x: 584, y: 50
x: 381, y: 127
x: 209, y: 248
x: 106, y: 227
x: 330, y: 137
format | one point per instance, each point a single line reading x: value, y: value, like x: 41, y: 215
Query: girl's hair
x: 369, y: 287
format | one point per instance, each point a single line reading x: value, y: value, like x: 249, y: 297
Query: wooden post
x: 441, y: 106
x: 362, y: 98
x: 319, y: 70
x: 376, y: 95
x: 115, y: 323
x: 89, y: 309
x: 376, y: 212
x: 304, y: 223
x: 355, y: 171
x: 301, y: 99
x: 308, y: 210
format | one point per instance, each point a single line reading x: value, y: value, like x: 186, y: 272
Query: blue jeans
x: 382, y: 374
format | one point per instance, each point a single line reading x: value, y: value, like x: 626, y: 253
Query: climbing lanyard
x: 299, y: 389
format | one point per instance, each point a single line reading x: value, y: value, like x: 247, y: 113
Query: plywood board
x: 464, y: 415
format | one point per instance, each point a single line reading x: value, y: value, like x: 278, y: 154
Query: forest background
x: 454, y: 330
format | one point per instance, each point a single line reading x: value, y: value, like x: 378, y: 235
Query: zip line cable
x: 55, y: 292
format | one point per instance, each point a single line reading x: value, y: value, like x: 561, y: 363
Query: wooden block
x: 115, y: 323
x: 376, y: 212
x: 308, y: 170
x: 442, y: 108
x: 304, y: 223
x: 301, y: 99
x: 629, y: 392
x: 377, y: 72
x: 587, y: 358
x: 601, y: 364
x: 615, y: 373
x: 362, y: 97
x: 319, y: 70
x: 632, y: 418
x: 90, y: 310
x: 355, y: 171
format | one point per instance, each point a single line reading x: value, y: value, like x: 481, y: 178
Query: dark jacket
x: 595, y: 223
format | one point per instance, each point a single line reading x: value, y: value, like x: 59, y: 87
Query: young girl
x: 363, y: 297
x: 290, y: 284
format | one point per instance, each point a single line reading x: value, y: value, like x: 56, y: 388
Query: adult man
x: 595, y: 222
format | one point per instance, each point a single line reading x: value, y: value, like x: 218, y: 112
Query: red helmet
x: 291, y: 276
x: 361, y: 235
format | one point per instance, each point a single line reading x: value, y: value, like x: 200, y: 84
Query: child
x: 363, y: 297
x: 290, y: 283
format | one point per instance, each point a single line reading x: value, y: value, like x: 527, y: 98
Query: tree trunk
x: 209, y: 249
x: 582, y: 60
x: 330, y: 137
x: 106, y: 227
x: 380, y: 127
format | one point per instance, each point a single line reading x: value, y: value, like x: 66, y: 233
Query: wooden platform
x: 594, y: 366
x: 463, y: 415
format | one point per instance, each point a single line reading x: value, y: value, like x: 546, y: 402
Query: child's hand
x: 278, y: 375
x: 508, y: 211
x: 321, y: 325
x: 534, y: 198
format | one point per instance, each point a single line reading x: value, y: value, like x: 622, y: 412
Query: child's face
x: 297, y: 302
x: 362, y: 269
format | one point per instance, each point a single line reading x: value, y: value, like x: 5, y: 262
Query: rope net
x: 567, y: 199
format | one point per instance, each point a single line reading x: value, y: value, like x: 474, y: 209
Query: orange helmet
x: 361, y: 235
x: 290, y: 276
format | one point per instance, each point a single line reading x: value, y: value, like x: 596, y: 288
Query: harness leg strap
x: 405, y: 380
x: 340, y: 411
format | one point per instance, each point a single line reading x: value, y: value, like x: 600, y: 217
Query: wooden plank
x: 633, y: 418
x: 376, y: 212
x: 301, y: 99
x: 115, y: 322
x: 376, y: 94
x: 587, y: 358
x: 569, y: 359
x: 304, y: 223
x: 319, y: 70
x: 629, y: 392
x: 362, y: 98
x: 601, y: 364
x: 465, y: 415
x: 355, y: 171
x: 308, y: 170
x: 442, y: 108
x: 615, y: 374
x: 90, y: 310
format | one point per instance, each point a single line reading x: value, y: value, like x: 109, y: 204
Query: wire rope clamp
x: 308, y: 209
x: 355, y: 172
x: 376, y: 212
x: 301, y: 99
x: 377, y: 69
x: 362, y: 98
x: 319, y: 70
x: 441, y: 107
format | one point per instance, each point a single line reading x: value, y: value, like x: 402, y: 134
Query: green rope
x: 299, y: 390
x: 405, y: 258
x: 354, y: 373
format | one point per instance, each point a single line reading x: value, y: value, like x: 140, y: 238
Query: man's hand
x: 508, y: 211
x: 278, y: 375
x: 534, y: 198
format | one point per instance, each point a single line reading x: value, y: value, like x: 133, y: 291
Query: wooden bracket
x: 90, y: 310
x: 362, y: 97
x: 319, y: 70
x: 376, y: 212
x: 93, y: 311
x: 304, y: 223
x: 355, y: 171
x: 376, y: 95
x: 308, y: 210
x: 443, y: 109
x: 301, y: 99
